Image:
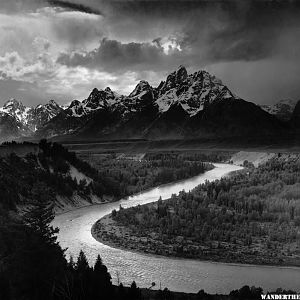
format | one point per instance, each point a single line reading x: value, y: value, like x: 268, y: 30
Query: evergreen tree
x: 121, y: 292
x: 134, y: 292
x: 39, y: 219
x: 83, y: 272
x: 82, y: 264
x: 38, y: 264
x: 101, y: 280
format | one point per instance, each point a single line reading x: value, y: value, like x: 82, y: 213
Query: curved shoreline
x: 112, y: 244
x: 214, y: 276
x: 140, y: 192
x: 151, y: 246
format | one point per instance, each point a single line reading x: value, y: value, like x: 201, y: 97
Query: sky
x: 62, y: 49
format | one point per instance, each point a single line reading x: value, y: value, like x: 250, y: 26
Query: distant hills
x: 184, y: 106
x: 283, y: 109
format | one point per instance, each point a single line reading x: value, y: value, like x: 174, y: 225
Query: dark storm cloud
x: 253, y: 46
x: 78, y: 31
x: 29, y: 5
x: 207, y: 32
x: 75, y: 6
x: 245, y: 30
x: 229, y: 38
x: 114, y: 56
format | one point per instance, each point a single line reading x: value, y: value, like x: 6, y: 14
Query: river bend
x: 185, y: 275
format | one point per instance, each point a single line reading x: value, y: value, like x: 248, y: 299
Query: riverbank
x: 243, y: 293
x: 157, y: 228
x: 64, y: 204
x: 185, y: 275
x: 108, y: 232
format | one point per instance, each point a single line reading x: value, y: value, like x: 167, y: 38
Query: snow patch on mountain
x: 31, y: 117
x: 141, y: 89
x: 192, y: 91
x: 16, y: 109
x: 98, y: 99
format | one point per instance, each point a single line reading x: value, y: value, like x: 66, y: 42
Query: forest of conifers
x: 33, y: 265
x: 254, y: 215
x: 24, y: 179
x: 154, y: 169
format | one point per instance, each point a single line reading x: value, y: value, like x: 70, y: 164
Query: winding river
x: 184, y: 275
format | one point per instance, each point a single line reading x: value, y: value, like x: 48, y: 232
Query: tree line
x: 32, y: 264
x: 258, y: 206
x: 33, y: 267
x: 129, y: 176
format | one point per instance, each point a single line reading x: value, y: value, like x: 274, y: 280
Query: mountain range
x: 18, y: 120
x: 184, y: 106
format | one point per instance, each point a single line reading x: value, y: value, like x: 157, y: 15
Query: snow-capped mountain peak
x: 74, y: 103
x: 174, y: 79
x: 75, y: 108
x: 99, y: 98
x: 191, y: 91
x: 43, y: 113
x: 13, y: 104
x: 142, y: 87
x: 16, y: 109
x: 52, y: 103
x: 31, y: 117
x: 183, y: 105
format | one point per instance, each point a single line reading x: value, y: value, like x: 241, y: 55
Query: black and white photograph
x: 149, y: 149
